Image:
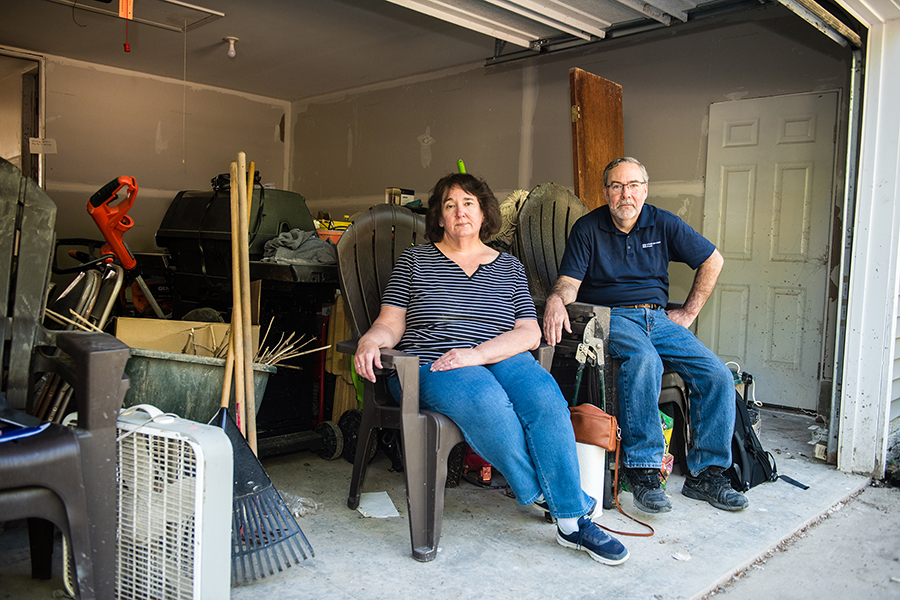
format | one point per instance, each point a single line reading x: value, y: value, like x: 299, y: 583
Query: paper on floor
x: 377, y: 505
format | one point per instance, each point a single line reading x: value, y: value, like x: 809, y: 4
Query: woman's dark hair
x: 470, y: 184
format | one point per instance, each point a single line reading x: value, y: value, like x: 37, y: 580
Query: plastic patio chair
x: 64, y: 475
x: 544, y: 223
x: 366, y: 254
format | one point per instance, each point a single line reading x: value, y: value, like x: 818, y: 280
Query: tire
x: 349, y: 424
x: 455, y: 464
x: 332, y: 440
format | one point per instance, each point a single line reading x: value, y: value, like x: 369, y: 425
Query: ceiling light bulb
x: 231, y: 40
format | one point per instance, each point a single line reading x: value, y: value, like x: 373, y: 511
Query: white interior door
x: 769, y: 195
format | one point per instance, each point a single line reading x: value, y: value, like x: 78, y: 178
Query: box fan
x: 175, y: 486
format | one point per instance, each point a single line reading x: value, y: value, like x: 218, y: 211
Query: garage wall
x: 510, y: 123
x: 894, y: 414
x: 110, y: 122
x: 11, y: 71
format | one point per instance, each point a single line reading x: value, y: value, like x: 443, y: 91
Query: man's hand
x: 564, y: 292
x: 556, y: 317
x: 704, y: 282
x: 681, y: 316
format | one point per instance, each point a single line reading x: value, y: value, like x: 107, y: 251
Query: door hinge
x: 576, y: 113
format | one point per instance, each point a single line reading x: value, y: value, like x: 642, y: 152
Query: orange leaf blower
x: 114, y: 222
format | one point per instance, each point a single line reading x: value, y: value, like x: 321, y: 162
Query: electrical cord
x: 153, y: 415
x: 747, y: 379
x: 71, y: 420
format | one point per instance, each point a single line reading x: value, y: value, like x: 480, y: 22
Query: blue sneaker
x: 541, y: 505
x: 593, y: 540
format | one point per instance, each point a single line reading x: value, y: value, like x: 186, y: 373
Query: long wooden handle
x: 229, y: 373
x: 251, y: 172
x: 249, y: 393
x: 237, y: 329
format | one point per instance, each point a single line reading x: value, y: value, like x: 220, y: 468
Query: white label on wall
x: 39, y: 146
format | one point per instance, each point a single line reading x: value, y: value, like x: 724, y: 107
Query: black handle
x: 105, y: 193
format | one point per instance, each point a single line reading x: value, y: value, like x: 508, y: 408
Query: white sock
x: 567, y: 526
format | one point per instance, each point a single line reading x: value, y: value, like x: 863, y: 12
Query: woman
x: 464, y: 309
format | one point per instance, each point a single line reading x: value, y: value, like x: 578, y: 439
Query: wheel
x: 332, y: 440
x: 349, y: 424
x: 455, y: 464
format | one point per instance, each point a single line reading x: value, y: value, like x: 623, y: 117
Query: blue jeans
x: 513, y: 415
x: 644, y: 340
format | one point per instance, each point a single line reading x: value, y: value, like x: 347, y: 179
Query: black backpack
x: 751, y: 464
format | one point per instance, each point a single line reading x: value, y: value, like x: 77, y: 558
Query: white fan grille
x: 156, y: 542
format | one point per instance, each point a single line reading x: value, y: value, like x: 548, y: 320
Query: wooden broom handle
x: 229, y: 373
x: 237, y: 329
x: 246, y: 320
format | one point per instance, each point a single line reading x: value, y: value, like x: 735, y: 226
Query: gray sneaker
x: 647, y: 490
x: 714, y: 487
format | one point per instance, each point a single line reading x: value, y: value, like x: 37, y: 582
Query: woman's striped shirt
x: 445, y: 308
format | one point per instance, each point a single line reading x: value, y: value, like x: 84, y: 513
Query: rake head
x: 265, y: 536
x: 264, y: 533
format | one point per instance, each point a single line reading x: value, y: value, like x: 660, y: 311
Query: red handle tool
x: 112, y: 220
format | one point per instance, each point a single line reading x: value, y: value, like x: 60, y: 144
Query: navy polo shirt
x: 619, y: 269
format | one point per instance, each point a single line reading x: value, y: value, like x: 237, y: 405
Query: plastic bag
x: 668, y: 424
x: 298, y: 506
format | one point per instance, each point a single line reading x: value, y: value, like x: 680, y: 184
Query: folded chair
x: 64, y: 475
x: 544, y: 223
x: 367, y: 251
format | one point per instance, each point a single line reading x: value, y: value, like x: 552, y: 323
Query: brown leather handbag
x: 595, y: 427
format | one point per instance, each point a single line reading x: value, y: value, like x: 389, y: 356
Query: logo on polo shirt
x: 650, y: 244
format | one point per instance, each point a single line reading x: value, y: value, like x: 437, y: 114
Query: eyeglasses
x: 633, y: 186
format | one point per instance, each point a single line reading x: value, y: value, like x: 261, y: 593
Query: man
x: 618, y: 256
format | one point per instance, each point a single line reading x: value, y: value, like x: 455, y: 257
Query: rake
x: 264, y: 534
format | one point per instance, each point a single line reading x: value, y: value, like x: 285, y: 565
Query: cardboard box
x: 182, y: 337
x: 399, y: 196
x: 187, y: 337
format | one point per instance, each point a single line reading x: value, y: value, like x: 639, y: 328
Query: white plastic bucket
x: 592, y: 468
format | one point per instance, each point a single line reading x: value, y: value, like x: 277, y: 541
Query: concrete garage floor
x: 492, y: 547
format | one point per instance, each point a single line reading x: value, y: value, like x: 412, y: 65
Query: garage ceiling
x: 530, y: 23
x: 298, y: 49
x: 542, y: 24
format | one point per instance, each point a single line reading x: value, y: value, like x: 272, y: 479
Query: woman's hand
x: 525, y: 335
x: 456, y: 358
x: 367, y: 359
x: 385, y: 332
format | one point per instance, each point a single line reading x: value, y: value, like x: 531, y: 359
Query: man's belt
x: 649, y: 305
